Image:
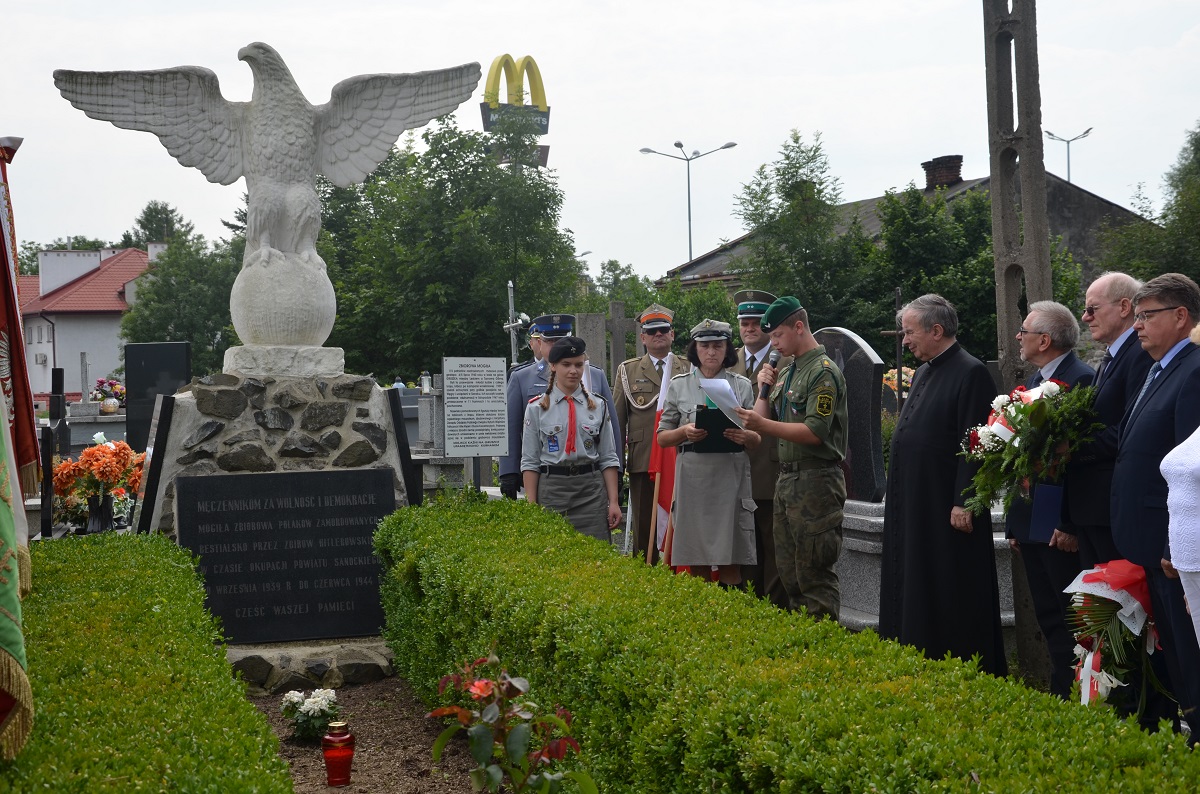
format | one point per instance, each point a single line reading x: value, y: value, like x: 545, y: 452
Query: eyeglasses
x: 1093, y: 309
x: 656, y: 331
x: 1142, y: 315
x: 1026, y: 332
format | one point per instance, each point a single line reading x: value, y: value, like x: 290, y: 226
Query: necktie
x: 1108, y: 357
x: 1157, y: 368
x: 750, y: 361
x: 659, y: 366
x: 569, y: 449
x: 1037, y: 379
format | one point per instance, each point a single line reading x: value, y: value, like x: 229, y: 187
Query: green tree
x: 158, y: 222
x: 423, y: 251
x: 1169, y: 241
x: 792, y: 206
x: 184, y: 297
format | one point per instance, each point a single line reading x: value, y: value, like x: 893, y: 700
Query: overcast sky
x: 888, y: 84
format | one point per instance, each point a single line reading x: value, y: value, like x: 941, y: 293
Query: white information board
x: 476, y: 415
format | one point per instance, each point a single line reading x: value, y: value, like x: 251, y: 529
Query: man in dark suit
x: 1047, y: 338
x: 1165, y: 412
x: 1088, y: 483
x: 755, y: 351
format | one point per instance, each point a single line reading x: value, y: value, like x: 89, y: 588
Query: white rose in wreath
x: 1050, y: 388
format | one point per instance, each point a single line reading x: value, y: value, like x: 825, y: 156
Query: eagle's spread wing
x: 182, y: 106
x: 365, y: 115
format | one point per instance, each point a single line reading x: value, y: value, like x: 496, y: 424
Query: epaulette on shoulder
x: 521, y: 366
x: 681, y: 375
x: 633, y: 360
x: 826, y: 363
x: 535, y: 399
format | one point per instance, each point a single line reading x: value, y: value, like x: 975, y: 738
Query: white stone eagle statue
x: 279, y: 142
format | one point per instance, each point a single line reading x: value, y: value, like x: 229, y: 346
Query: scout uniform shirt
x: 547, y: 433
x: 812, y: 391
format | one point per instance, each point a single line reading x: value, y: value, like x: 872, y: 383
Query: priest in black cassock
x: 938, y: 590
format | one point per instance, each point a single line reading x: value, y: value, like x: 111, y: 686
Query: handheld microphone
x: 773, y: 360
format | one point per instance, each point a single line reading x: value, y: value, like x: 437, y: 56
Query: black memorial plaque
x: 288, y: 556
x: 151, y: 369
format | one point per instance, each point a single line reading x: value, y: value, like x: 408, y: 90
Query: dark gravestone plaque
x: 863, y: 370
x: 151, y: 369
x: 288, y: 556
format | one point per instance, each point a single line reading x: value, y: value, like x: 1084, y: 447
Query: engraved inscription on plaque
x: 288, y: 556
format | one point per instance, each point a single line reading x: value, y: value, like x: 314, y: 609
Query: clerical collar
x: 942, y: 357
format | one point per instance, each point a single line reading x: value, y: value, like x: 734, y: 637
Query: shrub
x: 131, y: 688
x: 679, y: 686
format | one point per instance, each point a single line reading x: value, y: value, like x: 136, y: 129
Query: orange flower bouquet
x: 102, y: 469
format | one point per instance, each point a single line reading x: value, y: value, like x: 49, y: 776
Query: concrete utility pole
x: 1018, y: 170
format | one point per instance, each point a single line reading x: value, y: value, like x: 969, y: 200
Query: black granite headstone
x: 863, y: 370
x: 288, y: 556
x: 147, y: 493
x: 151, y: 369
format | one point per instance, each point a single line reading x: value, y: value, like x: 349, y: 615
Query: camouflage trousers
x: 808, y: 538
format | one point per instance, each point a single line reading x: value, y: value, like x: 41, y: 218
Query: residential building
x: 74, y: 305
x: 1075, y: 214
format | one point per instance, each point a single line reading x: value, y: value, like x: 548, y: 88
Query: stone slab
x: 300, y: 361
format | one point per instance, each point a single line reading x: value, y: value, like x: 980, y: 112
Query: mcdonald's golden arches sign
x: 514, y: 73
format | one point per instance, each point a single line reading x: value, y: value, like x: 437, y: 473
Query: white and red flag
x: 662, y: 464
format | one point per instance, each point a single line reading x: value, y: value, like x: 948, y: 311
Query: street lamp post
x: 695, y: 155
x: 1068, y: 142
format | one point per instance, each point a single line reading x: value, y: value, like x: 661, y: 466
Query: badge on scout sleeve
x: 824, y: 404
x: 552, y: 443
x: 641, y: 399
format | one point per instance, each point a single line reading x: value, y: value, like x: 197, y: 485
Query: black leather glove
x: 509, y: 483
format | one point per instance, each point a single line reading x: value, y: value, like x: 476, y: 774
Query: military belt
x: 791, y: 467
x: 569, y: 471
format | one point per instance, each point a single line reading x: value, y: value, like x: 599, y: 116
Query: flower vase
x: 110, y: 405
x: 100, y: 514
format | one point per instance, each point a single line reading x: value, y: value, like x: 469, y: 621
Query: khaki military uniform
x: 811, y: 490
x: 764, y: 471
x: 635, y: 394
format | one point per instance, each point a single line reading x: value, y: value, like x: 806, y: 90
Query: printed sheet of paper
x: 721, y: 392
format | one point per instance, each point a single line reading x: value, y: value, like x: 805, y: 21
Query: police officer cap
x: 711, y: 331
x: 655, y: 317
x: 752, y: 303
x: 552, y: 326
x: 567, y: 347
x: 779, y: 311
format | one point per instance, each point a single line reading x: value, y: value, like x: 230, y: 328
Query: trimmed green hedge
x: 679, y: 686
x: 131, y: 689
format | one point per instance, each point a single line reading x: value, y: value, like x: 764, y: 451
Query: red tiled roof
x: 27, y: 289
x: 97, y: 291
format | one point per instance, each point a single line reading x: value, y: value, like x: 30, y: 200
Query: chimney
x: 943, y: 171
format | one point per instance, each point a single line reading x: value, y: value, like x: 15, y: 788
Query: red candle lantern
x: 338, y: 748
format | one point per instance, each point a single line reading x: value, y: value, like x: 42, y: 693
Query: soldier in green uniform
x: 807, y: 411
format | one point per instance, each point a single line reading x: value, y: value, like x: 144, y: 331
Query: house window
x: 49, y: 333
x: 39, y: 333
x: 28, y: 338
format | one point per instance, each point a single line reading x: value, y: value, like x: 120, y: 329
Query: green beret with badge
x: 778, y: 312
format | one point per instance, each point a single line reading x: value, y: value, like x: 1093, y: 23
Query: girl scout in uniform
x: 569, y: 462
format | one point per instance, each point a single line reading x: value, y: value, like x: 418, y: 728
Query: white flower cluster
x: 319, y: 703
x: 295, y: 698
x: 989, y: 440
x: 1001, y: 402
x: 1050, y: 389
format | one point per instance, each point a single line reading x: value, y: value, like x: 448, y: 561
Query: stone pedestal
x: 292, y: 361
x: 862, y: 555
x: 235, y: 423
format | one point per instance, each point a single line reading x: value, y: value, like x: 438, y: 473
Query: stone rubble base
x: 315, y: 664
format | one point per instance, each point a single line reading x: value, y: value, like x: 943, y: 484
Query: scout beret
x: 752, y: 303
x: 552, y: 326
x: 656, y: 316
x: 711, y: 331
x: 566, y: 347
x: 779, y: 311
